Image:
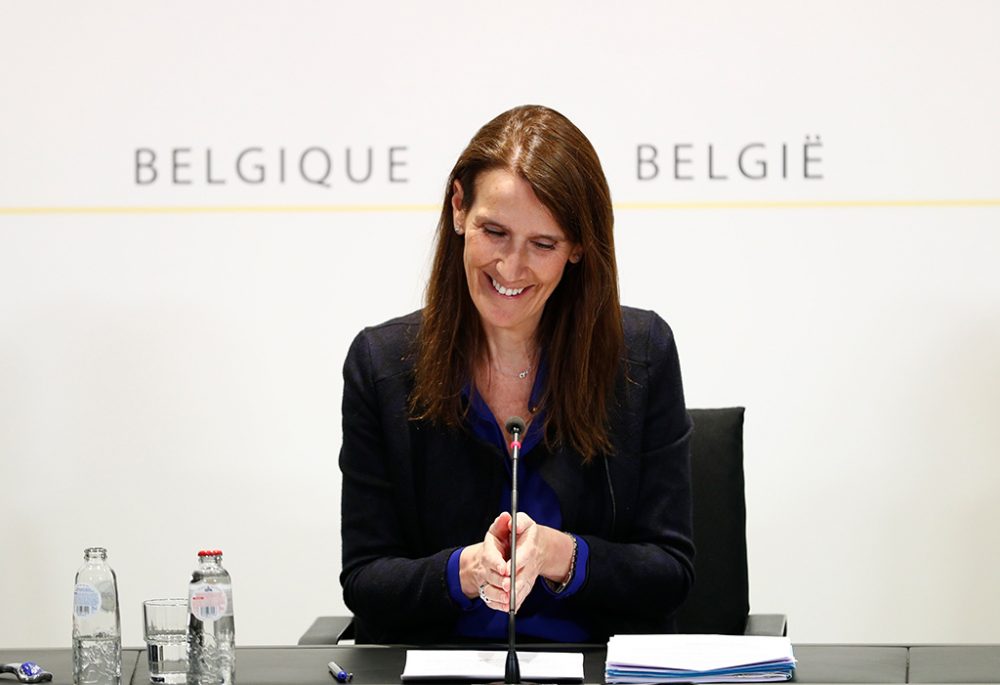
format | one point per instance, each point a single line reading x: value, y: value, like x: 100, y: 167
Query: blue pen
x: 340, y: 674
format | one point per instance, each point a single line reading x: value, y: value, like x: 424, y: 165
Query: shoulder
x: 647, y: 336
x: 388, y: 348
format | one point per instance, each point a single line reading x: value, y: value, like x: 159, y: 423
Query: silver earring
x: 458, y: 230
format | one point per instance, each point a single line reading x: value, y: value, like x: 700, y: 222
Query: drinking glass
x: 165, y: 631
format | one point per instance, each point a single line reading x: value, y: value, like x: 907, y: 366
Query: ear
x: 576, y: 255
x: 457, y: 212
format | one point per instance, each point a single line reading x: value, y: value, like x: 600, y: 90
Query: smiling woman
x: 515, y: 253
x: 522, y: 318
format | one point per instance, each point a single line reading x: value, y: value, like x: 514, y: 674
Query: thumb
x: 523, y: 522
x: 501, y: 525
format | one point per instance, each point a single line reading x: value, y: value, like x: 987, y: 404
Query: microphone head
x: 515, y: 424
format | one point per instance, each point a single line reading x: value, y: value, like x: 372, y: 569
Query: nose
x: 511, y: 263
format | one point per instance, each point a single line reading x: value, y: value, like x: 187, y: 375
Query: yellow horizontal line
x: 380, y: 208
x: 806, y: 204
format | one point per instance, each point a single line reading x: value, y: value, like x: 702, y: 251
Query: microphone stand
x: 512, y: 672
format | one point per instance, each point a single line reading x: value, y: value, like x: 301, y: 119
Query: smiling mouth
x: 507, y: 292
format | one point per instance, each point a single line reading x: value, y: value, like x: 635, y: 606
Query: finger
x: 522, y: 564
x: 501, y: 524
x: 523, y: 590
x: 523, y: 522
x: 499, y: 549
x: 501, y: 602
x: 497, y: 579
x: 494, y: 564
x: 499, y: 535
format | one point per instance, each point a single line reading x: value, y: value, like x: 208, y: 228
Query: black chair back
x: 720, y: 599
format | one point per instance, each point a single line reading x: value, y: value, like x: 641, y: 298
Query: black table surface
x: 382, y: 665
x: 59, y: 662
x: 307, y: 665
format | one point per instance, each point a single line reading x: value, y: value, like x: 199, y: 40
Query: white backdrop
x: 170, y: 351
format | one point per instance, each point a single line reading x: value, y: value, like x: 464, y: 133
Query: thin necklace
x: 519, y: 375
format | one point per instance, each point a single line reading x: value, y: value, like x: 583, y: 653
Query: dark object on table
x: 26, y: 672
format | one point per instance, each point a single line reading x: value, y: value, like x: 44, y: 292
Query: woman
x: 522, y: 319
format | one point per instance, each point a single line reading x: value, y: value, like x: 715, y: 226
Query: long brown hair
x: 581, y: 326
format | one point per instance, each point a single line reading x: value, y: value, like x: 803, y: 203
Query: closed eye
x: 545, y: 246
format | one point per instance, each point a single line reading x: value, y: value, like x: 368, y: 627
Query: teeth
x: 510, y: 292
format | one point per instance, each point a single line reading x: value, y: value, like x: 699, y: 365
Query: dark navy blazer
x: 413, y: 493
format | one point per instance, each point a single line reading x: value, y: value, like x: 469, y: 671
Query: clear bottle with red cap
x: 211, y: 628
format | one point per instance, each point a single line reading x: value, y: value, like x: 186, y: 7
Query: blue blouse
x: 542, y: 613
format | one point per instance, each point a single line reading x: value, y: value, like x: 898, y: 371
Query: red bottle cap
x: 210, y: 553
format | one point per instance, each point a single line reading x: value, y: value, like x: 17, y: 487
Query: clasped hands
x: 484, y: 568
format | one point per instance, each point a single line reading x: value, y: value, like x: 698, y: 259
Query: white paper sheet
x: 462, y: 664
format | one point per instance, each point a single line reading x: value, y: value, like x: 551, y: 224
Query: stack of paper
x: 698, y: 659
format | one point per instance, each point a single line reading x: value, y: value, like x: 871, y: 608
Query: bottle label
x: 86, y: 600
x: 211, y: 602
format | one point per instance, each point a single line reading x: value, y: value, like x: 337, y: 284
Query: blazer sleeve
x: 637, y: 580
x: 389, y: 591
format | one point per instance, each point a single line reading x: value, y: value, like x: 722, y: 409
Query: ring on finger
x: 482, y: 593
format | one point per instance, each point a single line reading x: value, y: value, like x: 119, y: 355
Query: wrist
x: 465, y: 575
x: 560, y: 571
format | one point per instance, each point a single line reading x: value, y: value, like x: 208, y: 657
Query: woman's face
x: 515, y: 252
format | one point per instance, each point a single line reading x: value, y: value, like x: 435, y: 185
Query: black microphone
x: 515, y: 428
